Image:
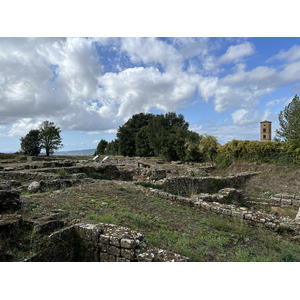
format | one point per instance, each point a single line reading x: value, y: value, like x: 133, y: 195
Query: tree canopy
x: 30, y: 144
x: 102, y: 147
x: 289, y: 121
x: 50, y: 137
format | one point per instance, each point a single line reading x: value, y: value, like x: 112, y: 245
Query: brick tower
x: 265, y: 130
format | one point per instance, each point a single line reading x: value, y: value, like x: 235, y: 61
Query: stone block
x: 128, y: 243
x: 103, y: 248
x: 275, y: 201
x: 122, y: 259
x: 111, y: 258
x: 104, y: 239
x: 115, y: 241
x: 147, y: 256
x: 286, y: 202
x: 237, y: 214
x: 34, y: 187
x: 112, y: 250
x: 248, y: 216
x: 205, y: 206
x: 270, y: 225
x: 296, y: 203
x: 103, y: 257
x: 127, y: 253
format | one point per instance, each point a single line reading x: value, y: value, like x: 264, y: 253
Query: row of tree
x: 152, y: 135
x: 168, y: 136
x: 46, y: 137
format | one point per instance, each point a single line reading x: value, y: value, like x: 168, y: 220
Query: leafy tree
x: 50, y: 137
x: 208, y: 147
x: 167, y: 135
x: 289, y: 121
x: 113, y: 147
x: 127, y: 133
x: 101, y: 148
x: 142, y: 143
x: 30, y: 144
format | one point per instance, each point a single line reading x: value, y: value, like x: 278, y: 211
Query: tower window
x: 264, y: 136
x: 264, y: 130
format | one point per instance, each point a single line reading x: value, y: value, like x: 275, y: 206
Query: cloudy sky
x: 91, y: 86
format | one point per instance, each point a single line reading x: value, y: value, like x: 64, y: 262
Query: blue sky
x: 91, y: 86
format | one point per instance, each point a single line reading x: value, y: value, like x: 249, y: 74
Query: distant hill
x: 76, y: 152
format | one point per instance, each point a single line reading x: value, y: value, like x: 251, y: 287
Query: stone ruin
x: 107, y: 242
x: 103, y: 243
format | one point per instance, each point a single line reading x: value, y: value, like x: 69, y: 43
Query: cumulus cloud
x: 289, y: 55
x: 23, y: 126
x: 63, y: 80
x: 237, y: 52
x: 151, y: 50
x: 139, y: 89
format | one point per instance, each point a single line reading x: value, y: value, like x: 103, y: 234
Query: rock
x: 9, y: 200
x: 298, y: 216
x: 34, y: 187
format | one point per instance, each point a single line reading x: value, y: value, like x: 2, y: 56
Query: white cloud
x: 61, y: 80
x: 23, y: 126
x: 139, y: 89
x: 290, y: 55
x: 151, y: 50
x: 236, y: 53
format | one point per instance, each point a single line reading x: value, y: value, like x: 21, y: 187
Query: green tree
x: 127, y: 133
x: 142, y: 143
x: 30, y: 144
x: 101, y: 148
x: 167, y: 135
x: 289, y: 121
x: 113, y: 147
x: 50, y: 137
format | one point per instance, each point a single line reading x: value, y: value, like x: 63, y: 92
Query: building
x: 265, y: 130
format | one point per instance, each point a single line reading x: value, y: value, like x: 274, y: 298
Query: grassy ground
x: 184, y: 230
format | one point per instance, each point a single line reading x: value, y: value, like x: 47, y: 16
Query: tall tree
x: 142, y: 143
x: 289, y: 121
x: 101, y: 148
x: 127, y: 133
x: 168, y: 134
x: 50, y: 137
x: 30, y: 144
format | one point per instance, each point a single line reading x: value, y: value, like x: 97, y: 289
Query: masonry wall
x: 103, y: 243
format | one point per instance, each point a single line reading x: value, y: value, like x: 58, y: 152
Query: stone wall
x: 103, y: 243
x: 186, y: 186
x: 248, y: 216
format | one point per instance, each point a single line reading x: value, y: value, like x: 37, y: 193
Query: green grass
x: 199, y: 235
x: 149, y: 185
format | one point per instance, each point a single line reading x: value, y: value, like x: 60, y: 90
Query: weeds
x: 147, y: 184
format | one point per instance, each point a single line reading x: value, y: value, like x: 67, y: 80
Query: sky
x: 90, y: 86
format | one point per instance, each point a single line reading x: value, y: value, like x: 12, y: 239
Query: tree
x: 30, y: 144
x: 127, y: 133
x: 101, y: 148
x: 113, y: 147
x: 167, y: 135
x: 142, y: 143
x: 50, y: 137
x: 289, y: 121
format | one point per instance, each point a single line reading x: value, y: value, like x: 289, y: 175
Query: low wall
x: 103, y: 243
x: 187, y: 186
x: 251, y: 217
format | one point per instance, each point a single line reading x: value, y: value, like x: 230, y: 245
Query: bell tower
x: 265, y: 130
